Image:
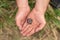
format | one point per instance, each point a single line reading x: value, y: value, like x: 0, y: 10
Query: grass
x: 9, y: 30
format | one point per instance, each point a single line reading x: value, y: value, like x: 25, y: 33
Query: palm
x: 37, y: 24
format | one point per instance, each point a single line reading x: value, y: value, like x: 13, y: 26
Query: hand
x: 21, y: 16
x: 23, y: 11
x: 37, y: 24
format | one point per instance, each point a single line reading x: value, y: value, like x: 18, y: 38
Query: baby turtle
x: 29, y: 21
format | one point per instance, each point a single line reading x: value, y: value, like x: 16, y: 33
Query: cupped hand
x: 38, y: 23
x: 21, y: 16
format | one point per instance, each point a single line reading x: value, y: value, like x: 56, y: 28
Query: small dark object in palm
x: 29, y: 21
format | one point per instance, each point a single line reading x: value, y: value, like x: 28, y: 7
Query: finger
x: 24, y: 26
x: 40, y: 27
x: 25, y: 29
x: 31, y: 32
x: 28, y: 31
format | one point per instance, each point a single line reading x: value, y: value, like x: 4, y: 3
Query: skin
x: 23, y: 11
x: 37, y: 15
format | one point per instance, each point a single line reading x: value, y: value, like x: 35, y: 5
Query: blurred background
x: 9, y: 30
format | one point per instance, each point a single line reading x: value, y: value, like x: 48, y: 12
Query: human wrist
x: 24, y: 7
x: 39, y: 12
x: 22, y: 3
x: 41, y: 5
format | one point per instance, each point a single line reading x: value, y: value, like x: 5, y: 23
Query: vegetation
x: 9, y: 30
